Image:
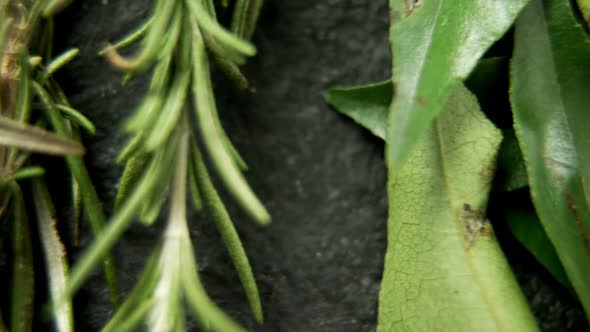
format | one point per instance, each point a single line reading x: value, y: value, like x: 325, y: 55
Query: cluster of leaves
x: 36, y: 117
x: 164, y: 155
x: 444, y: 269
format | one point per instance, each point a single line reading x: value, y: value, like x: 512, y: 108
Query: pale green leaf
x: 444, y: 270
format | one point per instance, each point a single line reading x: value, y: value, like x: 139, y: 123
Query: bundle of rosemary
x: 165, y: 155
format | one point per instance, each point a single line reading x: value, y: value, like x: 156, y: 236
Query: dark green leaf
x: 550, y: 103
x: 436, y: 44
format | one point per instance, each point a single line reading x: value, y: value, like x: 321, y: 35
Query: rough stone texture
x: 322, y: 178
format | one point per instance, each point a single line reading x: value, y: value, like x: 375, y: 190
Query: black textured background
x: 321, y: 177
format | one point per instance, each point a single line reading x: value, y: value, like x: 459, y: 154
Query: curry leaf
x: 550, y: 100
x: 436, y: 43
x: 367, y: 105
x: 444, y: 270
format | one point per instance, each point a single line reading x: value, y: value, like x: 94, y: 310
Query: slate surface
x: 322, y: 178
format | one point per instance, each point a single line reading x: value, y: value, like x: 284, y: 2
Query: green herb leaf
x: 59, y: 62
x: 444, y: 270
x: 224, y: 160
x: 436, y: 44
x: 228, y: 232
x: 26, y: 173
x: 77, y: 118
x: 367, y: 105
x: 550, y: 102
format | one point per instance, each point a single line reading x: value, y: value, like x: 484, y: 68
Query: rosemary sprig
x: 174, y: 42
x: 26, y: 83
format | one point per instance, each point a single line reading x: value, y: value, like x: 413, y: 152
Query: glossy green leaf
x: 436, y: 44
x: 550, y: 102
x: 367, y: 105
x: 526, y: 227
x: 444, y: 270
